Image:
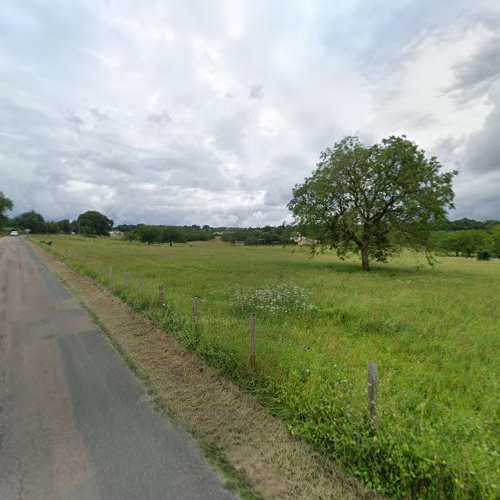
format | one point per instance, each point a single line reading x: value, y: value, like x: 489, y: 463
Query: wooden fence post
x: 252, y: 340
x: 124, y: 279
x: 100, y: 270
x: 110, y: 271
x: 372, y: 394
x: 162, y: 295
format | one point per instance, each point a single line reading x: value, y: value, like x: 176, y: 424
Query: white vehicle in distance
x: 14, y: 233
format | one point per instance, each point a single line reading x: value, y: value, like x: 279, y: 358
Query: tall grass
x: 433, y: 332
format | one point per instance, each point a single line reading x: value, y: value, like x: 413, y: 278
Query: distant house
x: 115, y: 233
x: 301, y: 240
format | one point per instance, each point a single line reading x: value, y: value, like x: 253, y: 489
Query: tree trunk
x: 365, y: 260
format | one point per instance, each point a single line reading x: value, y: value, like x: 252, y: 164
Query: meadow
x: 433, y: 333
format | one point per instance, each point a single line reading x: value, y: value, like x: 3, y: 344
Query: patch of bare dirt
x: 274, y: 463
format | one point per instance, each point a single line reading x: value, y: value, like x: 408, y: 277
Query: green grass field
x: 433, y: 333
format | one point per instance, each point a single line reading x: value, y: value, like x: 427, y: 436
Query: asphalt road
x: 74, y: 423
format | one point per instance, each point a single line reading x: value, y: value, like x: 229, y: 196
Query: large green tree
x: 63, y: 226
x: 373, y: 199
x: 31, y: 220
x: 5, y: 205
x: 94, y: 223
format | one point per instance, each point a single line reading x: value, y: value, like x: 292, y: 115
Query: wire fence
x: 95, y: 268
x: 154, y: 293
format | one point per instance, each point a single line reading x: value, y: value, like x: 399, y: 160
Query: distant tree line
x: 464, y: 224
x: 458, y: 238
x: 268, y: 235
x: 479, y: 243
x: 90, y: 223
x: 463, y: 237
x: 165, y: 234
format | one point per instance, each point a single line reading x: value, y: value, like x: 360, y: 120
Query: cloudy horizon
x: 203, y: 112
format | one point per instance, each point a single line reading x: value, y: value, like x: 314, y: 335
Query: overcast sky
x: 209, y: 112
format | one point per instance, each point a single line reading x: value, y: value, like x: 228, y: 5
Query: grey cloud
x: 483, y: 147
x: 278, y: 196
x: 74, y: 119
x: 481, y: 70
x: 257, y: 92
x: 375, y: 31
x: 477, y: 195
x: 99, y: 115
x: 159, y: 119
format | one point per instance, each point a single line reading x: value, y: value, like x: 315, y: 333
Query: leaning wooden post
x: 196, y: 302
x: 252, y: 341
x: 162, y: 295
x: 372, y: 394
x: 110, y: 271
x: 124, y: 279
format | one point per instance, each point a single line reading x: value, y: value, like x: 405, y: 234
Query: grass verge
x: 433, y: 333
x: 256, y: 452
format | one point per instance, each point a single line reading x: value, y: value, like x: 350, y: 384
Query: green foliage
x: 494, y: 247
x: 94, y: 223
x: 32, y: 221
x: 463, y: 224
x: 54, y: 227
x: 358, y: 196
x: 63, y: 226
x: 131, y: 236
x: 126, y: 228
x: 195, y: 233
x: 437, y: 358
x: 483, y: 255
x: 168, y: 234
x: 159, y: 234
x: 267, y: 235
x: 467, y: 243
x: 171, y: 234
x: 5, y: 205
x: 149, y: 234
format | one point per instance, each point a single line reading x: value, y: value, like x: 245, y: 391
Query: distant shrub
x: 483, y: 255
x: 130, y: 236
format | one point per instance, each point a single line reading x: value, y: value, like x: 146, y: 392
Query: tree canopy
x: 94, y: 223
x: 31, y: 220
x: 5, y: 205
x: 373, y: 199
x: 470, y: 242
